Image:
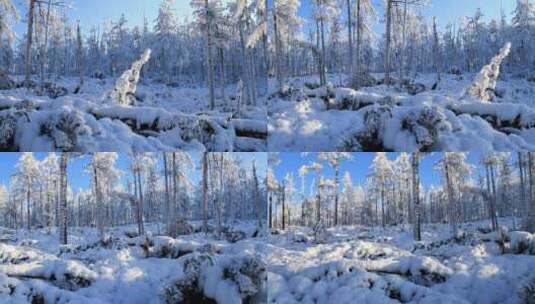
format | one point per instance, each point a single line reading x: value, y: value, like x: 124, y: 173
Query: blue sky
x: 446, y: 11
x: 359, y: 167
x: 95, y: 12
x: 78, y: 178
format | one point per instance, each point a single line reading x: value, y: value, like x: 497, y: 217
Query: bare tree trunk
x: 256, y: 197
x: 63, y: 198
x: 205, y: 191
x: 209, y: 57
x: 416, y: 194
x: 323, y: 57
x: 98, y: 196
x: 167, y: 199
x: 383, y: 222
x: 29, y: 36
x: 359, y: 43
x: 28, y: 214
x: 388, y: 38
x: 403, y: 44
x: 452, y: 207
x: 141, y: 228
x: 350, y: 40
x: 337, y: 169
x: 172, y: 206
x: 45, y: 44
x: 278, y: 68
x: 270, y: 210
x: 283, y: 192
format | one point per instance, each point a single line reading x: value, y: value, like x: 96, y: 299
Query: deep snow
x: 372, y: 265
x: 166, y: 118
x: 34, y: 267
x: 300, y: 122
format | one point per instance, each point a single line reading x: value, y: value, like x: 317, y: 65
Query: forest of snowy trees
x: 60, y: 48
x: 202, y: 77
x: 500, y: 185
x: 142, y: 227
x: 401, y: 228
x: 339, y: 38
x: 156, y: 188
x: 394, y: 75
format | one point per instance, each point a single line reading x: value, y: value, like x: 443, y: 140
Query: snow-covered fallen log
x: 167, y: 247
x: 27, y: 263
x: 38, y: 291
x: 224, y: 278
x: 484, y: 84
x: 250, y: 128
x: 347, y: 98
x: 502, y: 116
x: 422, y: 270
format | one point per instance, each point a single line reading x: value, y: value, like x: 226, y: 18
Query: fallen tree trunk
x: 504, y: 117
x: 250, y: 128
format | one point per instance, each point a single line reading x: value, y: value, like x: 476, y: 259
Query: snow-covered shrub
x: 125, y: 87
x: 296, y: 237
x: 183, y: 227
x: 239, y: 99
x: 312, y: 85
x: 8, y: 128
x: 485, y: 82
x: 52, y: 90
x: 188, y: 288
x: 415, y: 88
x: 6, y: 83
x: 426, y: 124
x: 526, y: 290
x: 65, y: 128
x: 369, y: 139
x: 520, y: 241
x: 320, y: 233
x: 367, y: 80
x: 167, y: 247
x: 249, y: 274
x: 232, y: 235
x: 97, y: 74
x: 455, y: 70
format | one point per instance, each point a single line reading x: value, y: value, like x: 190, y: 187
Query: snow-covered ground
x: 437, y: 120
x: 165, y: 118
x: 372, y: 265
x: 130, y: 269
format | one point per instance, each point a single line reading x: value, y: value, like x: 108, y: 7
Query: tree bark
x: 388, y: 38
x: 63, y: 198
x: 29, y: 37
x: 416, y: 194
x: 205, y: 191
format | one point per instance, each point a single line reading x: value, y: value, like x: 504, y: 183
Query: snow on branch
x: 485, y: 82
x: 260, y: 30
x: 126, y: 85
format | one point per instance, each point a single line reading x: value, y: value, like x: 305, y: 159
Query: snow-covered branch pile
x: 225, y: 279
x: 484, y: 84
x: 421, y: 270
x: 125, y: 87
x: 70, y: 129
x: 25, y: 263
x: 502, y: 116
x: 167, y: 247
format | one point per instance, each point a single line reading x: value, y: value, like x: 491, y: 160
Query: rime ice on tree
x: 485, y: 82
x: 126, y: 85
